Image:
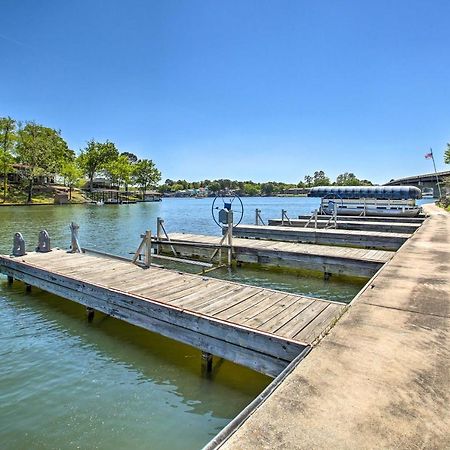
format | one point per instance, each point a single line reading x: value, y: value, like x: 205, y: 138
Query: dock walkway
x: 260, y: 328
x: 394, y: 219
x: 327, y: 259
x: 381, y: 377
x: 388, y: 227
x: 350, y: 238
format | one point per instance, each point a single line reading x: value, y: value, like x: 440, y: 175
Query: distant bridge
x: 426, y: 180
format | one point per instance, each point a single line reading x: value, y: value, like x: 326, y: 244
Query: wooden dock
x: 418, y: 219
x: 350, y: 238
x: 327, y: 259
x: 259, y: 328
x: 347, y: 224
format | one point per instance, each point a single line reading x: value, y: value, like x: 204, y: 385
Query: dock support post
x: 148, y: 248
x: 90, y: 313
x: 159, y: 223
x: 258, y: 218
x: 230, y: 237
x: 326, y: 276
x: 10, y: 280
x: 28, y: 287
x: 75, y: 244
x: 207, y: 362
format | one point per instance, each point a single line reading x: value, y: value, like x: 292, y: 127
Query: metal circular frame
x: 232, y: 198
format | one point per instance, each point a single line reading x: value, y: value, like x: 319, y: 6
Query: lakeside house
x: 16, y: 175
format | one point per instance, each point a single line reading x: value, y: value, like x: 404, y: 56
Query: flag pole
x: 435, y: 171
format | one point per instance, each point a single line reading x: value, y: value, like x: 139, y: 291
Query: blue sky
x: 262, y: 90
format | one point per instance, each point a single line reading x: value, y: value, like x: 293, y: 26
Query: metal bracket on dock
x: 18, y: 245
x: 75, y: 244
x: 258, y: 218
x: 43, y: 242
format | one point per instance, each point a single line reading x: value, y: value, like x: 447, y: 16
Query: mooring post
x: 159, y: 223
x: 90, y: 312
x: 19, y: 248
x: 28, y: 287
x: 282, y: 217
x: 148, y: 248
x: 207, y: 362
x: 230, y: 237
x: 10, y: 279
x: 43, y: 242
x: 75, y: 244
x: 257, y: 216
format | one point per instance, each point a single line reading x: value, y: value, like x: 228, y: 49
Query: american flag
x: 429, y: 155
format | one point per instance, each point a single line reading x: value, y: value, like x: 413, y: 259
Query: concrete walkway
x: 381, y: 378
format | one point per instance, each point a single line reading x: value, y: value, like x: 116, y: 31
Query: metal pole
x: 257, y: 217
x: 315, y: 219
x: 435, y: 171
x: 230, y: 237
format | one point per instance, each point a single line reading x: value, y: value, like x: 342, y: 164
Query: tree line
x: 34, y: 150
x: 251, y: 188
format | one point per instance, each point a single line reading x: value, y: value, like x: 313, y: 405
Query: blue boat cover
x: 379, y: 192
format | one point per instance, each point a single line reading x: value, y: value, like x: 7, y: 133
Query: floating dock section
x: 350, y: 238
x: 388, y: 227
x: 259, y: 328
x: 327, y: 259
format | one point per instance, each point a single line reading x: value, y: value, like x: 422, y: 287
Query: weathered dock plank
x: 199, y: 311
x: 388, y: 227
x: 328, y: 259
x: 418, y: 219
x: 352, y: 238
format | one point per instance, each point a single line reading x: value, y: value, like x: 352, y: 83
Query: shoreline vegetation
x: 38, y: 167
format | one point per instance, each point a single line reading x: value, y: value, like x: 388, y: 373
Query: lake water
x: 65, y: 383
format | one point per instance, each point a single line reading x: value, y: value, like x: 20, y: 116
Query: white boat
x: 368, y: 200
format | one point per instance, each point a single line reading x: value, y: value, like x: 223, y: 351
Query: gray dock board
x: 331, y: 259
x: 209, y: 317
x: 351, y: 238
x: 347, y: 224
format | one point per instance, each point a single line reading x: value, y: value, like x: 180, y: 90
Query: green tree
x: 146, y: 174
x: 132, y: 158
x: 41, y: 150
x: 268, y: 188
x: 251, y: 189
x: 320, y: 179
x: 308, y: 180
x: 447, y: 155
x: 119, y: 171
x: 214, y: 186
x: 7, y: 142
x: 72, y: 175
x: 95, y: 157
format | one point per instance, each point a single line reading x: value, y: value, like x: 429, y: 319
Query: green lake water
x: 65, y: 383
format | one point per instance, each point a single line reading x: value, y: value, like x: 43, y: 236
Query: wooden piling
x: 207, y: 362
x: 90, y: 312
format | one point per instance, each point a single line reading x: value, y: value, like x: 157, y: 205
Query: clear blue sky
x: 262, y: 90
